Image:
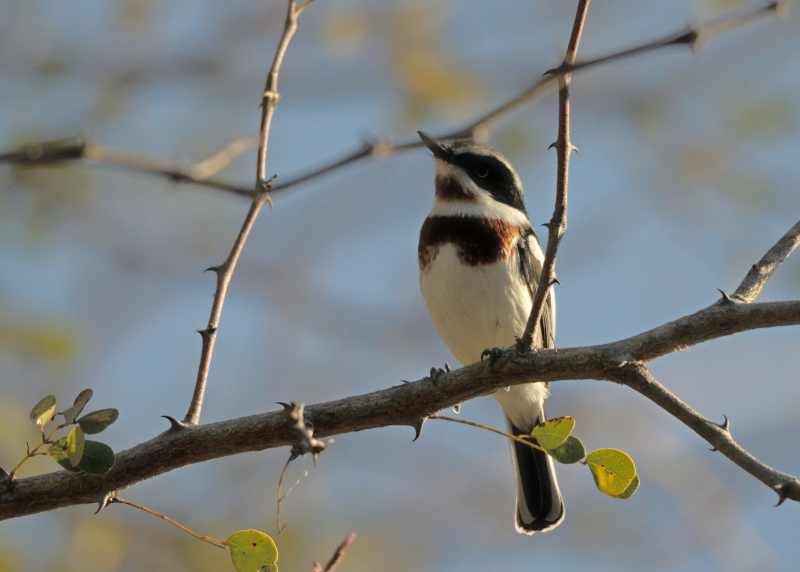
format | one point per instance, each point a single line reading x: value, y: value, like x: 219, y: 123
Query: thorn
x: 781, y: 491
x: 555, y: 281
x: 553, y: 71
x: 417, y: 426
x: 107, y: 499
x: 457, y: 408
x: 215, y: 269
x: 286, y: 406
x: 725, y: 425
x: 574, y: 149
x: 175, y: 425
x: 725, y: 299
x: 547, y: 225
x: 552, y: 145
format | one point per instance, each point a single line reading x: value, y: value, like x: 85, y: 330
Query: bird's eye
x: 482, y: 172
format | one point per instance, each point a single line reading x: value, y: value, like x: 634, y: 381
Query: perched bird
x: 479, y: 264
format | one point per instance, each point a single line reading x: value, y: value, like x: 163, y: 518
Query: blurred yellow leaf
x: 345, y: 31
x: 41, y: 340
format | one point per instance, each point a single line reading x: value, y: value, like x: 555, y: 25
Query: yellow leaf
x: 613, y: 471
x: 554, y: 432
x: 76, y: 442
x: 253, y: 551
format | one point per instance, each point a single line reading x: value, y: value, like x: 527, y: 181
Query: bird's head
x: 468, y: 172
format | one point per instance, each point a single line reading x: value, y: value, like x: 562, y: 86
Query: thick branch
x: 49, y: 152
x: 401, y: 405
x: 226, y: 270
x: 558, y: 222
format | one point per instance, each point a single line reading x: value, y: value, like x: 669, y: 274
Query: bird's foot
x: 438, y: 372
x: 492, y: 354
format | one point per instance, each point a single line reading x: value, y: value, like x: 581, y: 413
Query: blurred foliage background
x: 687, y: 172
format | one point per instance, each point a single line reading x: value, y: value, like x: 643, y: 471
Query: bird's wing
x: 531, y: 260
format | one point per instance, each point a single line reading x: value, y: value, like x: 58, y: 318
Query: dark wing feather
x: 531, y: 270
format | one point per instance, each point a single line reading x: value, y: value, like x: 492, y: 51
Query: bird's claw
x: 438, y: 372
x: 492, y: 354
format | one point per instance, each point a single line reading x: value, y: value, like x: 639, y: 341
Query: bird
x: 479, y: 267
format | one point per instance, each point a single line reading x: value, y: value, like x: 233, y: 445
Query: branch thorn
x: 106, y: 500
x: 724, y: 298
x: 174, y: 424
x: 417, y: 426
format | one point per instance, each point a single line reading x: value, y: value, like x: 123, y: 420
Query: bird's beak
x: 439, y: 150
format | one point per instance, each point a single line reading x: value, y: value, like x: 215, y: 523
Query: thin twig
x: 338, y: 556
x: 564, y: 148
x: 638, y: 377
x: 280, y: 497
x: 174, y: 173
x: 489, y: 428
x: 213, y: 541
x: 261, y: 197
x: 48, y: 152
x: 221, y: 159
x: 305, y: 443
x: 761, y: 271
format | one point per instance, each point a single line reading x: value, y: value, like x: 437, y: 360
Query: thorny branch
x: 564, y: 148
x: 261, y: 196
x: 621, y: 361
x: 50, y: 152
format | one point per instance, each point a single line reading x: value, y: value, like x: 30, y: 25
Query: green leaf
x: 97, y: 459
x: 252, y: 551
x: 71, y: 414
x: 76, y: 442
x: 613, y: 471
x: 43, y: 412
x: 97, y: 421
x: 571, y: 451
x: 58, y: 452
x: 554, y: 432
x: 631, y: 490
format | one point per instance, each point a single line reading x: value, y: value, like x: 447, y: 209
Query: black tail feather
x: 539, y: 504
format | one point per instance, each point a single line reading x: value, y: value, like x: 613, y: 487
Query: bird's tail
x: 539, y: 504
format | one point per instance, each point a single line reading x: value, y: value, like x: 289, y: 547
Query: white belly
x: 480, y: 307
x: 475, y: 307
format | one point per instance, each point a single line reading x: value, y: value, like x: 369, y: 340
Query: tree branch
x: 639, y: 378
x: 405, y: 404
x: 226, y: 270
x: 558, y: 222
x: 761, y: 271
x: 50, y: 152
